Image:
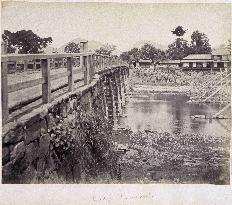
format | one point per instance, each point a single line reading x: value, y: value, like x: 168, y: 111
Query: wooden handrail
x: 29, y: 57
x: 24, y: 85
x: 90, y: 64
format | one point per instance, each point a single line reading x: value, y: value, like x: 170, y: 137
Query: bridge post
x: 70, y: 77
x: 106, y: 62
x: 85, y: 69
x: 4, y: 79
x: 46, y: 86
x: 102, y: 62
x: 110, y: 98
x: 92, y: 67
x: 84, y: 64
x: 116, y: 89
x: 123, y: 90
x: 98, y: 63
x: 103, y: 89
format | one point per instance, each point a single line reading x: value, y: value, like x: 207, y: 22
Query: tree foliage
x: 179, y: 31
x: 131, y: 55
x: 147, y: 51
x: 72, y: 48
x: 200, y: 43
x: 178, y: 49
x: 106, y: 49
x: 150, y: 52
x: 25, y: 41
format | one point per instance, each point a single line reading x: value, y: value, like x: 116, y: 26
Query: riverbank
x: 161, y: 157
x: 165, y: 145
x: 141, y: 88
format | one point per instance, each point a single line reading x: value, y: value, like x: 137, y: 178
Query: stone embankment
x: 48, y: 141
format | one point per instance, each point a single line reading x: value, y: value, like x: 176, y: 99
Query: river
x: 167, y: 145
x: 171, y: 113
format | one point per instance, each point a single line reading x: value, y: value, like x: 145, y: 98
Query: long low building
x: 219, y: 59
x: 169, y: 63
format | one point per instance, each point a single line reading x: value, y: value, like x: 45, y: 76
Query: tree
x: 125, y: 56
x: 178, y: 49
x: 200, y: 43
x: 179, y: 31
x: 106, y: 49
x: 131, y: 55
x: 150, y: 52
x: 72, y: 48
x: 25, y: 41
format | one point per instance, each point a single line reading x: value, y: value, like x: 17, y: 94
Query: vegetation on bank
x: 83, y: 148
x: 191, y: 83
x: 161, y: 157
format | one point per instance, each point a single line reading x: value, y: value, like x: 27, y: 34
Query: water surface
x: 169, y: 113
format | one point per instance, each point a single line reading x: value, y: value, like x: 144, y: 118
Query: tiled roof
x: 198, y: 56
x: 170, y: 61
x: 145, y: 61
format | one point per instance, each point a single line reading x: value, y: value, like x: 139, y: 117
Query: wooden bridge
x: 100, y: 82
x: 90, y: 64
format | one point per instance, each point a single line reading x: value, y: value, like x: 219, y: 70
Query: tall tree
x: 150, y: 52
x: 178, y: 49
x: 131, y: 55
x: 106, y: 49
x: 72, y: 48
x: 179, y: 31
x: 25, y: 41
x: 200, y: 43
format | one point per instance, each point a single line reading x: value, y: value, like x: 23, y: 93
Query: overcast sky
x: 120, y: 24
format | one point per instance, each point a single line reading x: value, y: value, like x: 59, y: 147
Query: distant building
x: 195, y: 61
x: 145, y: 63
x: 169, y: 63
x: 219, y: 58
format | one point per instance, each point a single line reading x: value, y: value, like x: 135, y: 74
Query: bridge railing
x: 90, y: 63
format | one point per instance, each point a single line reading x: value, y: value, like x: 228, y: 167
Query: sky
x: 117, y: 23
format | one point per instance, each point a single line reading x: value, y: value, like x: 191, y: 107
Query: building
x: 145, y: 63
x: 197, y: 61
x: 169, y: 63
x: 219, y: 59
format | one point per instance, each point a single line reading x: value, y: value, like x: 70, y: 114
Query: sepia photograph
x: 115, y: 93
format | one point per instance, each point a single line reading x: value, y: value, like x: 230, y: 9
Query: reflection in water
x: 175, y: 147
x: 173, y: 116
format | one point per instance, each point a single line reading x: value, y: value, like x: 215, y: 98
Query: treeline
x: 27, y: 42
x: 177, y: 50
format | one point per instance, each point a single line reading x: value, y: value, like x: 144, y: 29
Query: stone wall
x: 27, y: 151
